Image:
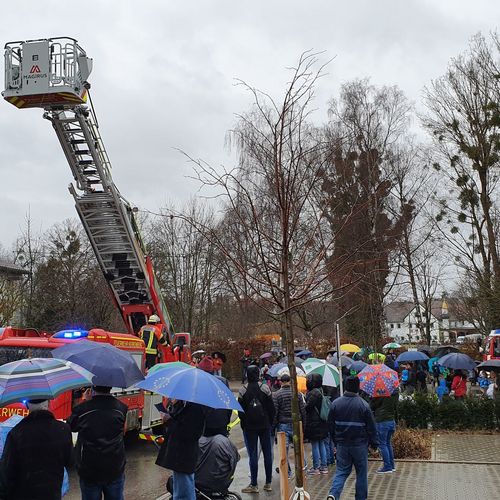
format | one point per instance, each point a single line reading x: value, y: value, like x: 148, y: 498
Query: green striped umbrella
x: 330, y: 373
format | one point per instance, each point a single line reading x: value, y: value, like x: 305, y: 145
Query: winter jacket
x: 216, y: 463
x: 351, y: 421
x: 36, y: 451
x: 315, y: 429
x: 256, y: 390
x: 100, y: 450
x: 179, y: 451
x: 384, y: 409
x: 283, y: 406
x: 459, y: 385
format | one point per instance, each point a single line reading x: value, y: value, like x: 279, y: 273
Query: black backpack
x: 255, y: 414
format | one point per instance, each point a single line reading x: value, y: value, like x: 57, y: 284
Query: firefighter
x: 152, y: 335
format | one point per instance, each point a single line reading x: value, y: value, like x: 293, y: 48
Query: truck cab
x: 19, y: 343
x: 492, y: 346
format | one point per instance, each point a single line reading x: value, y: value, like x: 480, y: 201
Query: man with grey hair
x: 36, y: 452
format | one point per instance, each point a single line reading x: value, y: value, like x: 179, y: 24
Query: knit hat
x: 206, y: 364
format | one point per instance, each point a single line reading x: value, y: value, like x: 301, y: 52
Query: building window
x: 392, y: 325
x: 399, y: 325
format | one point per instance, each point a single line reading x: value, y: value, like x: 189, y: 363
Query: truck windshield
x: 13, y: 353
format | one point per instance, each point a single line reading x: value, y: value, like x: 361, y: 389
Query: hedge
x: 424, y: 411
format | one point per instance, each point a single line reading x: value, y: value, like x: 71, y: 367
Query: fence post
x: 283, y: 466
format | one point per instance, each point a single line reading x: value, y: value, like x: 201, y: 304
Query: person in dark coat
x: 179, y: 450
x: 283, y: 421
x: 316, y: 429
x: 256, y: 421
x: 36, y: 452
x: 100, y: 449
x: 353, y: 429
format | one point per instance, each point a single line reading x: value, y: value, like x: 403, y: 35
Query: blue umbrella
x: 273, y: 371
x: 457, y: 361
x: 196, y: 386
x: 412, y: 356
x: 305, y: 352
x: 357, y: 366
x: 111, y: 366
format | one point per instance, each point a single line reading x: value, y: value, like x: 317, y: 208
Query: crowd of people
x: 196, y: 447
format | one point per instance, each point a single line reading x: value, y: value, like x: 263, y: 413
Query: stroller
x: 215, y: 469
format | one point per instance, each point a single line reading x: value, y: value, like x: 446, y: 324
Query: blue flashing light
x: 71, y: 334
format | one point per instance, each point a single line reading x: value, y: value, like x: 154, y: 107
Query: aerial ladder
x: 52, y: 74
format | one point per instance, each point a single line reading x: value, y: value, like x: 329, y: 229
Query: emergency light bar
x: 71, y: 334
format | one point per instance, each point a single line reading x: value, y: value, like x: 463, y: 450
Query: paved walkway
x: 469, y: 448
x: 413, y: 480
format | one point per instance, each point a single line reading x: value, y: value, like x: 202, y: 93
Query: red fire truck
x: 52, y: 74
x: 492, y: 347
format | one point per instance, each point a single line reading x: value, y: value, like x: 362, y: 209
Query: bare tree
x: 186, y: 266
x: 464, y: 121
x: 273, y: 234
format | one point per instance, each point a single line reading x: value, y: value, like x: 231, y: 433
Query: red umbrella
x: 378, y: 380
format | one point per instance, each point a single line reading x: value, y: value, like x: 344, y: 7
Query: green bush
x: 423, y: 410
x: 418, y: 411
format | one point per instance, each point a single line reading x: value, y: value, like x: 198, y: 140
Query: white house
x: 446, y: 322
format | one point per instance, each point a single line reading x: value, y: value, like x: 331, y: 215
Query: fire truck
x: 52, y: 74
x: 492, y: 347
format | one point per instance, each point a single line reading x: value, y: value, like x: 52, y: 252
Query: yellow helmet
x: 153, y: 319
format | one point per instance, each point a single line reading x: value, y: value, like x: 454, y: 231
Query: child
x: 483, y: 381
x: 442, y: 388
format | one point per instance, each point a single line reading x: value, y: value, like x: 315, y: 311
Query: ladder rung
x: 85, y: 162
x: 78, y: 141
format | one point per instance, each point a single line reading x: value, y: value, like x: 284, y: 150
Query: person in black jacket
x: 316, y: 429
x: 256, y: 421
x: 100, y: 450
x: 36, y: 451
x: 179, y: 451
x: 352, y: 427
x: 283, y: 421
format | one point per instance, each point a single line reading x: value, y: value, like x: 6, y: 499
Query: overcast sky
x: 164, y: 76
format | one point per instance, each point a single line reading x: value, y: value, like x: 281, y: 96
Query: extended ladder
x: 108, y: 218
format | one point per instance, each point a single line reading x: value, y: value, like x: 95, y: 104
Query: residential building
x: 446, y: 322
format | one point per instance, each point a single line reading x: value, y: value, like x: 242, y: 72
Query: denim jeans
x: 252, y: 438
x: 330, y: 457
x: 183, y: 486
x: 318, y: 453
x: 385, y: 430
x: 111, y: 491
x: 288, y: 430
x: 347, y: 456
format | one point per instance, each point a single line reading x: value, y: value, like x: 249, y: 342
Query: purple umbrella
x: 266, y: 355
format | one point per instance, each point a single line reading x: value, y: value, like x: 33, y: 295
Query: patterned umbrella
x: 169, y: 366
x: 187, y: 384
x: 378, y: 380
x: 40, y: 378
x: 330, y: 374
x: 392, y: 345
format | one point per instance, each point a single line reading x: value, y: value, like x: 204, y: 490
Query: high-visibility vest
x: 148, y: 335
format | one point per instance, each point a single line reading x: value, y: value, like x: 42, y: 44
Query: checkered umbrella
x: 378, y: 380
